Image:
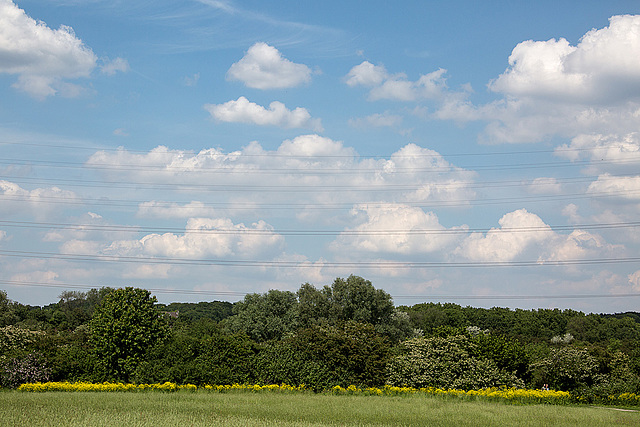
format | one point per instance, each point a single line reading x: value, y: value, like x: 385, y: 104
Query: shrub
x: 27, y: 369
x: 566, y: 368
x: 445, y: 362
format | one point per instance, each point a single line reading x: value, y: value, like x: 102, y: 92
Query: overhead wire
x: 426, y: 297
x: 310, y: 232
x: 285, y: 188
x: 311, y: 205
x: 377, y: 264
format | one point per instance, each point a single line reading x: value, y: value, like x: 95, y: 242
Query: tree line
x: 344, y: 333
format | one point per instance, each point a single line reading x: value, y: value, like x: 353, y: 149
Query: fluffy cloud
x: 313, y: 145
x: 622, y: 188
x: 263, y: 67
x: 554, y: 88
x: 41, y: 57
x: 396, y: 87
x: 550, y: 88
x: 366, y: 74
x: 603, y: 67
x: 111, y: 67
x: 174, y: 210
x: 41, y: 200
x: 244, y: 111
x: 218, y: 237
x: 505, y: 243
x: 634, y: 280
x: 305, y: 171
x: 522, y: 232
x: 580, y: 244
x: 395, y: 229
x: 607, y: 152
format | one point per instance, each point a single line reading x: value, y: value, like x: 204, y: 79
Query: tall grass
x: 282, y: 409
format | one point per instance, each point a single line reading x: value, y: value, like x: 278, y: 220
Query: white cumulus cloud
x: 396, y: 87
x: 603, y: 67
x: 620, y: 188
x: 608, y: 152
x: 264, y: 67
x: 41, y: 57
x: 244, y: 111
x: 218, y: 237
x: 366, y: 74
x: 395, y: 229
x: 523, y: 233
x: 503, y: 244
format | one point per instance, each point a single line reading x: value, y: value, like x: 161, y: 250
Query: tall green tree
x: 265, y: 316
x: 124, y: 327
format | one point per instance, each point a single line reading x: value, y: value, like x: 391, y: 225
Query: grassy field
x: 271, y: 409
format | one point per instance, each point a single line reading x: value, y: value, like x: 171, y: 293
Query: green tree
x: 124, y: 327
x: 325, y: 356
x: 7, y: 312
x: 352, y: 300
x: 266, y: 316
x: 509, y: 355
x: 356, y: 299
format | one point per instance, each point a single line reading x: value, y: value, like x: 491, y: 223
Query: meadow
x: 287, y: 409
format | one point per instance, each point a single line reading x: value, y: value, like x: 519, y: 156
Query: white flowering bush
x: 445, y: 363
x: 20, y: 370
x: 14, y: 338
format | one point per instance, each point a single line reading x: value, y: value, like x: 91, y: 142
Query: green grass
x: 283, y: 409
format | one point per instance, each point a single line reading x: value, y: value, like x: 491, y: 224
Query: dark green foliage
x: 215, y: 310
x: 322, y: 357
x: 189, y: 358
x: 68, y: 355
x: 341, y: 334
x: 275, y: 314
x: 7, y: 311
x: 508, y: 355
x: 124, y: 327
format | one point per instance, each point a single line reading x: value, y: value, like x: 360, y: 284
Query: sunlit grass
x: 285, y: 409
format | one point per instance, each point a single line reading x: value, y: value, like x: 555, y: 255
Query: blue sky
x: 483, y: 153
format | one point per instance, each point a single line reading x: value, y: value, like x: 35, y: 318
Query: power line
x: 296, y: 264
x: 243, y: 168
x: 365, y: 155
x: 285, y: 188
x: 310, y: 232
x: 395, y: 297
x: 234, y: 205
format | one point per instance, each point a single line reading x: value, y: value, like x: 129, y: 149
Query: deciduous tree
x: 124, y: 327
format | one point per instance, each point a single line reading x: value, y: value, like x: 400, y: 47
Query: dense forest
x: 345, y: 333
